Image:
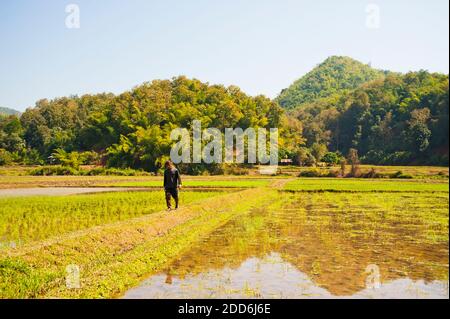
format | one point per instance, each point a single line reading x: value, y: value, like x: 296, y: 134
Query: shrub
x: 343, y: 164
x: 5, y: 157
x: 233, y: 169
x: 53, y: 171
x: 372, y: 174
x: 318, y: 151
x: 304, y: 157
x: 331, y: 158
x: 200, y: 169
x: 64, y: 170
x: 353, y: 159
x: 32, y: 157
x: 114, y: 172
x: 442, y: 173
x: 91, y: 158
x: 400, y: 174
x: 72, y: 159
x: 311, y: 173
x: 333, y: 173
x: 439, y: 160
x: 373, y: 157
x: 319, y: 173
x: 398, y: 158
x: 444, y: 160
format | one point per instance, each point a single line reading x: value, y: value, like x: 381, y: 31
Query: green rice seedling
x: 25, y: 219
x: 366, y: 185
x: 202, y: 183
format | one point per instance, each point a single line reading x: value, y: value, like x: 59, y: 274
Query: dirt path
x: 279, y: 183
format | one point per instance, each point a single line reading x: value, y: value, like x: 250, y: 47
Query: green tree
x: 72, y: 159
x: 331, y: 158
x: 318, y: 151
x: 353, y: 160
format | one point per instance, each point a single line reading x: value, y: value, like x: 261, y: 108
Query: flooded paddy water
x: 318, y: 245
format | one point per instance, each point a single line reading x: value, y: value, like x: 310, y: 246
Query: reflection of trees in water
x: 228, y: 246
x: 333, y: 246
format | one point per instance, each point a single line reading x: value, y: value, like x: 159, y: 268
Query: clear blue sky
x: 259, y: 45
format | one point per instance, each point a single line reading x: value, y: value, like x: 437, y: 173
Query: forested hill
x: 388, y: 118
x: 398, y: 119
x: 133, y: 129
x: 335, y: 76
x: 8, y: 111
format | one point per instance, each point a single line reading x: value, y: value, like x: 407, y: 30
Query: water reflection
x: 270, y: 277
x: 317, y: 247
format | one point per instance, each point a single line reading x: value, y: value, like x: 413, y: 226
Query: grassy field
x: 117, y: 239
x: 116, y: 256
x: 417, y: 172
x: 331, y: 237
x: 23, y: 220
x: 131, y: 181
x: 204, y: 182
x: 365, y: 185
x: 18, y: 176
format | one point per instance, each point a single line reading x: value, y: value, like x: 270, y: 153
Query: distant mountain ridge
x: 8, y: 111
x: 336, y: 75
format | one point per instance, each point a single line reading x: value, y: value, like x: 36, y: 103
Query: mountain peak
x: 8, y: 111
x: 334, y: 75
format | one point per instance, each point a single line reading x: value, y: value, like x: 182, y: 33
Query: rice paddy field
x: 357, y: 185
x: 202, y: 183
x: 38, y: 218
x: 417, y: 172
x: 232, y: 237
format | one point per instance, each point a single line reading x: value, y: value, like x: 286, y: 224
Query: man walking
x: 172, y: 182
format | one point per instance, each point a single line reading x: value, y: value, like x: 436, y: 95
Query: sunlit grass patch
x: 199, y: 183
x: 417, y: 172
x: 325, y: 234
x: 115, y: 257
x: 331, y: 237
x: 365, y: 185
x: 424, y: 217
x: 36, y: 218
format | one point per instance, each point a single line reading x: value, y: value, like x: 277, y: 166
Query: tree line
x: 133, y: 129
x: 393, y: 119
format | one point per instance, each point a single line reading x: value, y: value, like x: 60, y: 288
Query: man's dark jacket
x: 172, y: 178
